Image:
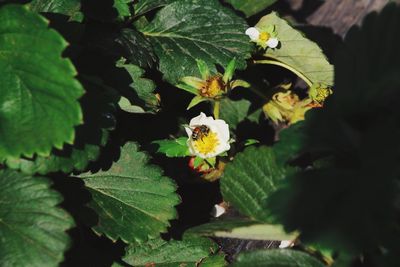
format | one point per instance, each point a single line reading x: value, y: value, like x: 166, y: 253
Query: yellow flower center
x: 213, y: 87
x: 206, y: 144
x: 322, y: 94
x: 264, y: 36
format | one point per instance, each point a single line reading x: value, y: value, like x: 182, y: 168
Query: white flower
x: 212, y: 141
x: 263, y: 39
x: 253, y: 33
x: 272, y: 42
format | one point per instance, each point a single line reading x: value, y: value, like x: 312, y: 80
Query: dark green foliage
x: 32, y: 228
x: 350, y: 202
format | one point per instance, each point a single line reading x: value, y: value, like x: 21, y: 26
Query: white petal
x: 286, y: 244
x: 253, y: 33
x: 188, y: 131
x: 218, y: 211
x: 223, y: 130
x: 192, y: 151
x: 272, y: 42
x: 197, y: 120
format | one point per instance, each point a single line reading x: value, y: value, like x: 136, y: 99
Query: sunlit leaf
x: 188, y: 30
x: 38, y: 100
x: 297, y: 51
x: 250, y: 179
x: 190, y: 251
x: 133, y: 200
x: 275, y: 258
x: 250, y: 8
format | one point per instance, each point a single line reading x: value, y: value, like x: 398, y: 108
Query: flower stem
x: 283, y: 65
x: 216, y: 109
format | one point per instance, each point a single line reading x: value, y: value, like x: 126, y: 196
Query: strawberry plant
x: 161, y: 132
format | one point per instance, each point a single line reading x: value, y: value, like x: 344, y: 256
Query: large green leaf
x: 144, y: 6
x: 250, y: 8
x: 297, y: 51
x: 242, y: 229
x: 136, y: 48
x: 32, y: 228
x: 38, y: 99
x: 98, y: 112
x: 70, y: 8
x: 191, y: 251
x: 291, y: 142
x: 234, y: 112
x: 250, y: 179
x: 133, y: 200
x: 276, y: 258
x: 190, y: 29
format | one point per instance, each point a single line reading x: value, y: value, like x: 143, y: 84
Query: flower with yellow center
x: 318, y: 93
x: 210, y: 86
x: 267, y: 38
x: 213, y: 87
x: 209, y: 143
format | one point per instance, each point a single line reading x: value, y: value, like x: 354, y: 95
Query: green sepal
x: 173, y: 148
x: 187, y: 88
x: 203, y: 68
x: 211, y: 161
x: 196, y: 100
x: 230, y: 69
x: 250, y: 142
x: 192, y: 81
x: 197, y: 162
x: 239, y: 83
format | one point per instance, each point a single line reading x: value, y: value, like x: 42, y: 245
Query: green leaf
x: 140, y: 91
x: 242, y: 229
x: 234, y: 111
x: 250, y: 8
x: 67, y: 160
x: 133, y: 200
x: 32, y: 228
x: 214, y: 261
x: 276, y: 258
x: 71, y: 8
x: 188, y: 252
x: 122, y: 7
x: 297, y: 51
x: 173, y: 148
x: 186, y: 30
x: 250, y: 179
x: 136, y: 48
x: 291, y: 142
x: 38, y: 101
x: 144, y: 6
x: 98, y: 111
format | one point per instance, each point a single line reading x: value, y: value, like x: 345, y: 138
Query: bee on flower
x: 264, y: 38
x: 207, y: 137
